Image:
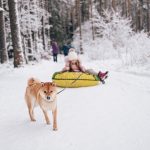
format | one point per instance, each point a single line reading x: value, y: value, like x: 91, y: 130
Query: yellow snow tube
x: 74, y: 79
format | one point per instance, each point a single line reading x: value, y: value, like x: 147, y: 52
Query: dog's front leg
x: 55, y: 119
x: 46, y: 117
x: 31, y: 113
x: 30, y: 107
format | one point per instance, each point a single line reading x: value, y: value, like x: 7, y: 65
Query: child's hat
x: 72, y: 50
x: 72, y: 55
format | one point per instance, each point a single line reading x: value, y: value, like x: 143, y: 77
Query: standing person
x: 55, y: 50
x: 65, y: 49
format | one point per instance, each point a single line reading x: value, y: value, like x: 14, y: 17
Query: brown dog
x: 44, y: 95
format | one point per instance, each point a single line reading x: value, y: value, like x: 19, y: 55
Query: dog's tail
x: 32, y: 81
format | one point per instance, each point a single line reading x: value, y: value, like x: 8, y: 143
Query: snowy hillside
x: 114, y: 116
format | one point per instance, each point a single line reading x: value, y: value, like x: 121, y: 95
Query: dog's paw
x: 55, y: 129
x: 33, y: 120
x: 48, y: 123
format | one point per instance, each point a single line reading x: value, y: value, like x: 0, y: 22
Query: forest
x: 96, y: 96
x: 28, y: 26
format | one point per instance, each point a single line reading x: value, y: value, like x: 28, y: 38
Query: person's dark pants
x: 55, y: 57
x: 65, y: 54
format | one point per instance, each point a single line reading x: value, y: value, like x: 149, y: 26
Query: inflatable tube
x: 74, y: 79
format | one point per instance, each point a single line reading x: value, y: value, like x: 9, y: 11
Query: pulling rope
x: 71, y: 83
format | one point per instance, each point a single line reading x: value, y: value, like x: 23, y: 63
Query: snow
x: 1, y: 9
x: 114, y: 116
x: 114, y: 38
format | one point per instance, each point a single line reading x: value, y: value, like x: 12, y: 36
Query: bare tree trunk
x: 30, y: 41
x: 105, y: 4
x: 100, y: 7
x: 114, y: 4
x: 124, y: 8
x: 24, y: 50
x: 43, y: 4
x: 3, y: 49
x: 15, y: 32
x: 35, y: 33
x: 79, y: 23
x: 43, y: 32
x: 148, y: 18
x: 128, y: 8
x: 48, y: 29
x: 136, y: 18
x: 76, y: 13
x: 73, y: 19
x: 141, y: 14
x: 91, y: 8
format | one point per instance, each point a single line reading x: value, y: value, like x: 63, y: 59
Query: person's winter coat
x: 55, y: 48
x: 65, y: 49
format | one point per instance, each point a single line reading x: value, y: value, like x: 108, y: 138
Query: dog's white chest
x: 49, y: 105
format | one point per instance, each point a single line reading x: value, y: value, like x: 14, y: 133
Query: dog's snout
x: 48, y: 97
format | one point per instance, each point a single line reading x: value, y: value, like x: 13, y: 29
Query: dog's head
x: 48, y: 91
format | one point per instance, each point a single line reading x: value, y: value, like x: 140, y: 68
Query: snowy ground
x: 114, y: 116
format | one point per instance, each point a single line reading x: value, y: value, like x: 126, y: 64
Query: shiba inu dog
x: 44, y: 95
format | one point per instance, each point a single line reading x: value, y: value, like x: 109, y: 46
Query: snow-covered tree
x: 114, y: 38
x: 35, y: 27
x: 62, y: 20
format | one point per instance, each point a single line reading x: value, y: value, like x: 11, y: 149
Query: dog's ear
x: 32, y: 79
x: 53, y: 84
x: 42, y: 84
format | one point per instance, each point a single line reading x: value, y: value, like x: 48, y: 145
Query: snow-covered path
x: 114, y: 116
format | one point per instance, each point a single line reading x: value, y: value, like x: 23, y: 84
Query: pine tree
x: 91, y: 17
x: 148, y: 15
x: 3, y: 49
x: 128, y: 8
x: 15, y: 33
x: 114, y: 4
x: 79, y: 23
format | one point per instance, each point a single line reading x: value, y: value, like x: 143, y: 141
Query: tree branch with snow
x: 1, y: 9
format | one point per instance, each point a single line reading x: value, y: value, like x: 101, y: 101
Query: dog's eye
x: 51, y: 91
x: 44, y: 91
